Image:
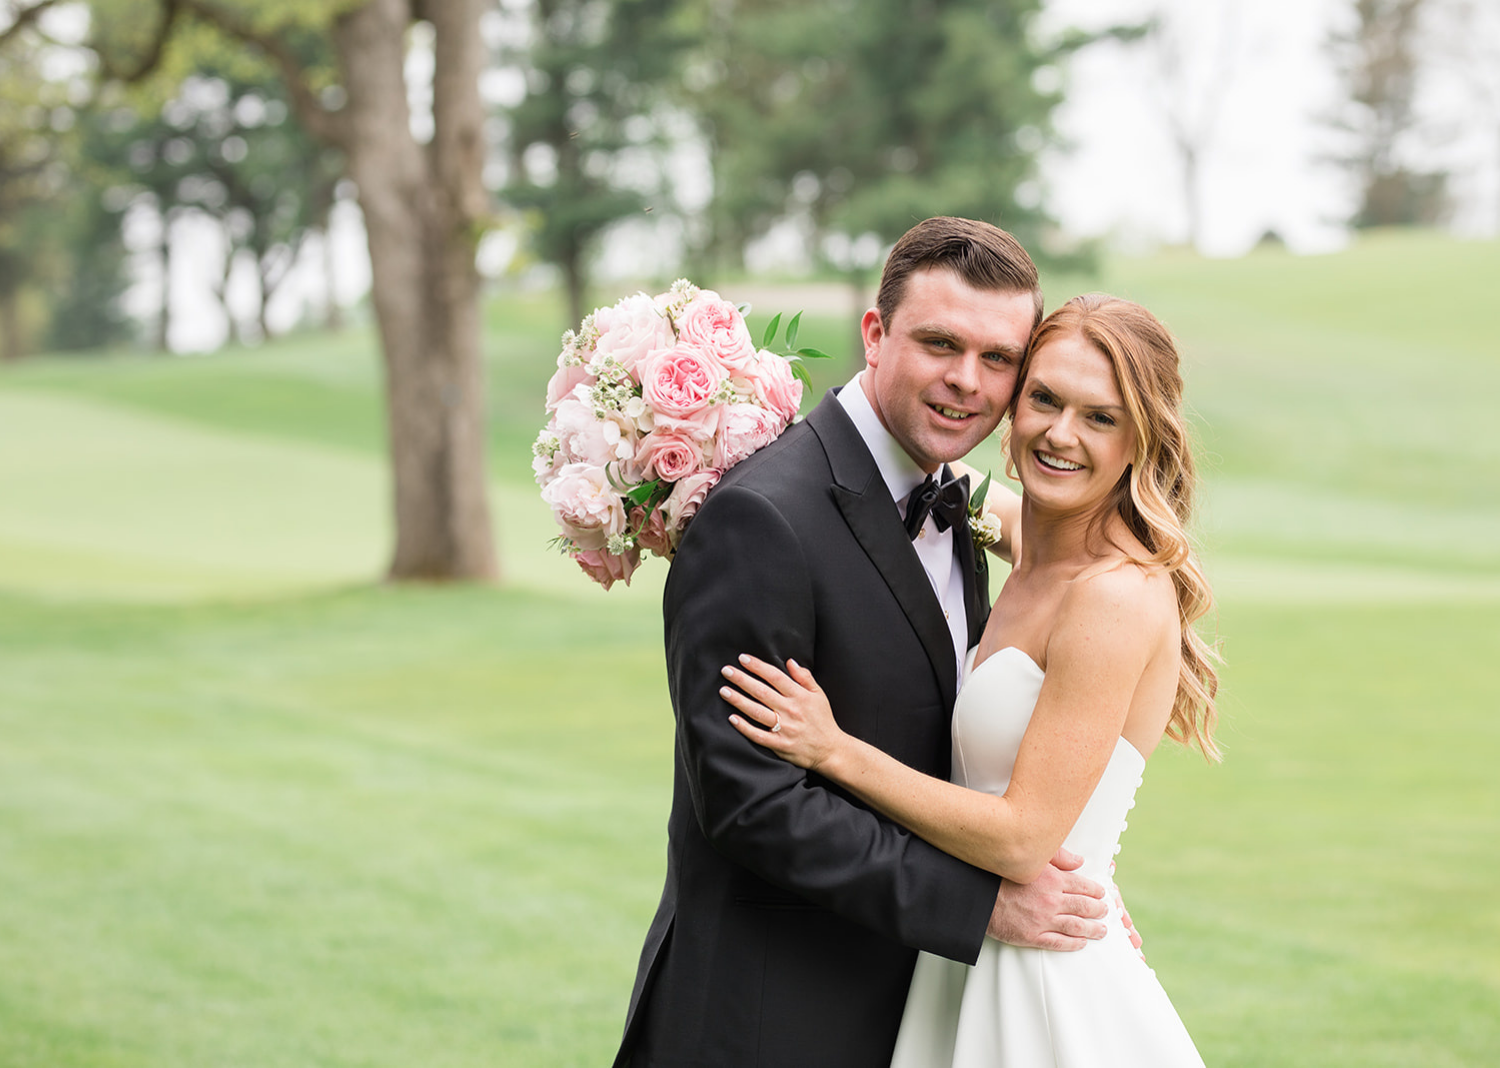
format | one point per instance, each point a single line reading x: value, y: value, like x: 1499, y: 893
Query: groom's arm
x: 741, y: 584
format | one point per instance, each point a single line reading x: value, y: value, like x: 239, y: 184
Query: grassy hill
x: 257, y: 809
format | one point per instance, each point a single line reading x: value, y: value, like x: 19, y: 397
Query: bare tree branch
x: 23, y: 18
x: 326, y: 125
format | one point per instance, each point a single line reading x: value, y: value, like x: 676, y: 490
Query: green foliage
x: 584, y: 142
x: 793, y: 355
x: 866, y: 119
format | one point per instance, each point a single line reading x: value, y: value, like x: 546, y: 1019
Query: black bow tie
x: 947, y: 502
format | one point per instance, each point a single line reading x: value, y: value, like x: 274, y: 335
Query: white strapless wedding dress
x: 1025, y: 1008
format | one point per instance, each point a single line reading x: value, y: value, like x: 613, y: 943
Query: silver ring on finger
x: 776, y: 727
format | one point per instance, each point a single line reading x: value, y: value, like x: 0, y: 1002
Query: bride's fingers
x: 771, y: 673
x: 757, y: 689
x: 749, y: 706
x: 758, y: 735
x: 802, y: 677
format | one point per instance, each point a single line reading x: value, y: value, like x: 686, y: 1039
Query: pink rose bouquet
x: 653, y: 400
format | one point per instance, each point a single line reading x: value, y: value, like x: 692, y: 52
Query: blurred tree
x: 33, y: 184
x: 1194, y: 49
x: 342, y: 65
x: 86, y: 310
x: 226, y: 146
x: 856, y: 121
x: 1377, y: 57
x: 584, y: 141
x: 1465, y: 39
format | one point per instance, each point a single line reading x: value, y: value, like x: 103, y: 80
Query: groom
x: 792, y: 914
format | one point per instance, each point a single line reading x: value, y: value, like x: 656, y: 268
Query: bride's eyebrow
x: 1037, y: 383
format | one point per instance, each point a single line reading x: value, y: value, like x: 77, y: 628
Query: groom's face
x: 941, y: 372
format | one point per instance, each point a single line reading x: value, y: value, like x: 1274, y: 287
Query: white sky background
x: 1260, y: 163
x: 1118, y: 179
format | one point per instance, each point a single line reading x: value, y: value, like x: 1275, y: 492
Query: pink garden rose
x: 743, y: 428
x: 606, y: 568
x: 680, y: 381
x: 670, y: 455
x: 585, y: 505
x: 775, y: 386
x: 716, y: 326
x: 687, y: 496
x: 652, y: 533
x: 631, y: 330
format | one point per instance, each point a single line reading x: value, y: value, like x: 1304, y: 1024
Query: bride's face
x: 1072, y: 436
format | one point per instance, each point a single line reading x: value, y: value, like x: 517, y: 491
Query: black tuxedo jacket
x: 791, y: 916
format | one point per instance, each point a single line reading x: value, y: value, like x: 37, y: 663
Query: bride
x: 1089, y: 658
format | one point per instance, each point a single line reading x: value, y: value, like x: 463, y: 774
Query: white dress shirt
x: 902, y: 476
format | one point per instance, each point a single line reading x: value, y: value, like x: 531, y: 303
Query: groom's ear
x: 872, y: 332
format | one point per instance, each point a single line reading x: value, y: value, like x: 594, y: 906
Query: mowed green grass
x: 257, y: 809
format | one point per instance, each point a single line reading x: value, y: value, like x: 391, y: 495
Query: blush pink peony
x: 631, y: 330
x: 563, y: 383
x: 585, y: 505
x: 744, y: 428
x: 775, y: 386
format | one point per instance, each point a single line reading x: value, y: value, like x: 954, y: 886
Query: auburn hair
x: 1154, y: 497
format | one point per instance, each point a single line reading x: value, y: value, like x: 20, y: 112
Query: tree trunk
x: 421, y: 205
x: 164, y: 313
x: 333, y: 311
x: 573, y: 277
x: 10, y: 324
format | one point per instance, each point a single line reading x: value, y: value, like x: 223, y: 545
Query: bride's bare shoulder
x: 1124, y: 593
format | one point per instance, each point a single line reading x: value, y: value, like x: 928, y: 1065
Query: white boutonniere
x: 984, y: 527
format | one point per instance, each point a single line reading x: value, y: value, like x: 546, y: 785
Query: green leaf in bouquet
x: 800, y: 371
x: 770, y: 334
x: 813, y: 354
x: 791, y: 331
x: 642, y: 493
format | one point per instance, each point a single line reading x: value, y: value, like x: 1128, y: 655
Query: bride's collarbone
x: 1027, y: 609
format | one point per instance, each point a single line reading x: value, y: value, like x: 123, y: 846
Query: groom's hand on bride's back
x: 1059, y: 909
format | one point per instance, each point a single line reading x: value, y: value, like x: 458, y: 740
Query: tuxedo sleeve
x: 741, y: 584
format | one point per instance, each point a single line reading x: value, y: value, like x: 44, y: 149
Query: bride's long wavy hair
x: 1155, y: 495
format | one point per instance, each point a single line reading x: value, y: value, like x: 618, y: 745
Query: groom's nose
x: 962, y: 372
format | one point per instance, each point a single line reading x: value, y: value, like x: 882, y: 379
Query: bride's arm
x: 1095, y: 658
x: 1004, y: 504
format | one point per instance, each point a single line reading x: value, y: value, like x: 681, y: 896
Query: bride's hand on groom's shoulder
x: 784, y: 711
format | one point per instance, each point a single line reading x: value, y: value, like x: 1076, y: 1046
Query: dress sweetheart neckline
x: 1009, y: 649
x: 1042, y: 672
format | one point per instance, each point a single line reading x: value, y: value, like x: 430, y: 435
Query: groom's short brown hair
x: 982, y: 255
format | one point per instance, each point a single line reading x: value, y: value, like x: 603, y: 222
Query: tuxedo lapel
x: 865, y: 501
